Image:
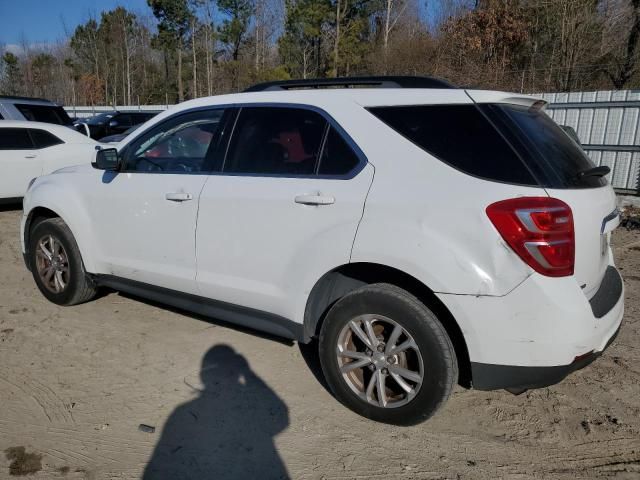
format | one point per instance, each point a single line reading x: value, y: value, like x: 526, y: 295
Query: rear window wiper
x: 594, y: 172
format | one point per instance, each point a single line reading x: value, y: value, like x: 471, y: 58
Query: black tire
x: 78, y: 287
x: 439, y: 361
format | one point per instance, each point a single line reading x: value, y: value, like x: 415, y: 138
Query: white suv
x: 424, y: 234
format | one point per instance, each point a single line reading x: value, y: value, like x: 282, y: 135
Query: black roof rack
x: 350, y: 82
x: 35, y: 99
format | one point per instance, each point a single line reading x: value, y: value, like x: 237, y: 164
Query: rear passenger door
x: 19, y: 162
x: 282, y: 211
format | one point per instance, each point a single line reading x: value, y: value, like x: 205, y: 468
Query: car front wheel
x: 56, y: 264
x: 386, y: 356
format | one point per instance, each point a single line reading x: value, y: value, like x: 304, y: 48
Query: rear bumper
x: 493, y: 377
x: 540, y: 332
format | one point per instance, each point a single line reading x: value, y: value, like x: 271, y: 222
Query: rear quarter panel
x: 428, y: 219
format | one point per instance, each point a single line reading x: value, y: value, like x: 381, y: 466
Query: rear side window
x: 546, y: 146
x: 44, y: 113
x: 44, y: 139
x: 15, y: 139
x: 461, y: 136
x: 275, y: 141
x: 337, y: 156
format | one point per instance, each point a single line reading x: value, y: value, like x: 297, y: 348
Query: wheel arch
x: 336, y: 283
x: 40, y: 212
x: 35, y: 215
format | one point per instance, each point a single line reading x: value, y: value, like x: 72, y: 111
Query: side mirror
x: 107, y: 159
x: 82, y: 128
x: 114, y: 124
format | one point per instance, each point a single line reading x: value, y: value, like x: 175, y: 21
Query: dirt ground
x: 113, y: 387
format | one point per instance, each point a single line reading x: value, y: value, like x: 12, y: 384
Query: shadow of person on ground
x: 228, y: 431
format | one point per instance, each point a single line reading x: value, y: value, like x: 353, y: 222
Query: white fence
x: 85, y: 112
x: 607, y: 123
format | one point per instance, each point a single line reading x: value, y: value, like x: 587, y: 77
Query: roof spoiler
x: 490, y: 96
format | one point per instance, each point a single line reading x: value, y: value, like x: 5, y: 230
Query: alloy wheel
x: 52, y: 264
x: 380, y: 361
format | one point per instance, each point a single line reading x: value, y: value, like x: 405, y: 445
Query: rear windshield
x: 546, y: 146
x: 503, y: 143
x: 44, y: 113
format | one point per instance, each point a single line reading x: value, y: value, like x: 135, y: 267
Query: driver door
x: 146, y: 213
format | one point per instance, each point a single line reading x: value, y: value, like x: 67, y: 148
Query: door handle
x: 178, y: 197
x: 31, y: 155
x: 315, y: 199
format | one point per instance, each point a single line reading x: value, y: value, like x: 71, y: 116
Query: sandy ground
x: 77, y: 383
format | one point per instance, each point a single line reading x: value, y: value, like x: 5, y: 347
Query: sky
x: 39, y: 22
x: 44, y: 21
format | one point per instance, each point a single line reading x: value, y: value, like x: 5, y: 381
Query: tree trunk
x: 625, y: 72
x: 208, y: 58
x: 127, y: 48
x: 195, y: 62
x: 387, y: 28
x: 336, y: 46
x: 124, y: 76
x: 180, y: 87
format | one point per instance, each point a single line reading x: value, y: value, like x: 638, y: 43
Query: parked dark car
x: 115, y: 122
x: 118, y: 137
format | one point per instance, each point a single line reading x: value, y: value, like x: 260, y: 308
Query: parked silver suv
x: 33, y: 109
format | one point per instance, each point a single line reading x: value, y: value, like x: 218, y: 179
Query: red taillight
x: 540, y: 230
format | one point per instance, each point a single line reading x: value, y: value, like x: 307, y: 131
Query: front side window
x: 276, y: 141
x: 178, y: 145
x: 15, y: 139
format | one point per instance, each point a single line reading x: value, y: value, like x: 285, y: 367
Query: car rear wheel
x: 386, y: 356
x: 56, y: 264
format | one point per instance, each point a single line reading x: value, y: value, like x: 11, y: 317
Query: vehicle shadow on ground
x: 228, y: 431
x: 310, y: 355
x: 104, y: 292
x: 308, y: 351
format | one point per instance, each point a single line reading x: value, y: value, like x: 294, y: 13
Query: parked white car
x: 30, y: 149
x: 425, y: 235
